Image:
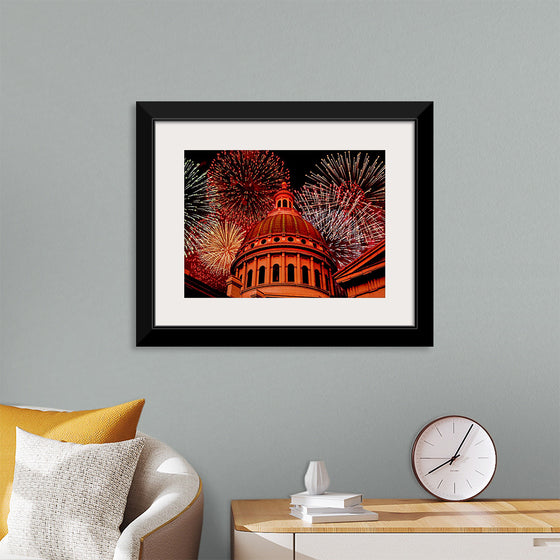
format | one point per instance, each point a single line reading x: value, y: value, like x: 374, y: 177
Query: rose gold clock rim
x: 423, y: 430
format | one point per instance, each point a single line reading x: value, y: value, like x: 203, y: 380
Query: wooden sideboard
x: 406, y: 529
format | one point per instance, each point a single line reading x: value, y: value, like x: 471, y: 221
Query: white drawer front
x: 262, y: 546
x: 427, y: 546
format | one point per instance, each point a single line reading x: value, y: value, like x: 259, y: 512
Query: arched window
x: 249, y: 278
x: 284, y: 203
x: 305, y: 274
x: 291, y: 273
x: 261, y: 275
x: 326, y: 282
x: 276, y: 273
x: 317, y: 279
x: 279, y: 203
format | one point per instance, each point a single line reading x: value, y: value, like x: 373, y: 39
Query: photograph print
x: 284, y: 224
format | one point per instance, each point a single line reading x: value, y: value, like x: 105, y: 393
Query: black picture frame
x: 149, y: 334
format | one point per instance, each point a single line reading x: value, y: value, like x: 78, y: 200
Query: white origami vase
x: 316, y: 478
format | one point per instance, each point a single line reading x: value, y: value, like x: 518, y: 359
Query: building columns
x: 312, y: 272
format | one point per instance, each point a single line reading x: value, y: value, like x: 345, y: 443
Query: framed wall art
x: 284, y: 224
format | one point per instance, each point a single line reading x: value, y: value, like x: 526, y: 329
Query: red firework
x: 245, y: 182
x: 197, y: 269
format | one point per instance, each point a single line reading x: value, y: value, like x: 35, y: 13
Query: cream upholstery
x: 163, y: 516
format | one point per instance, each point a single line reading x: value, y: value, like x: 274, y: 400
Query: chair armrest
x: 163, y: 532
x: 163, y: 517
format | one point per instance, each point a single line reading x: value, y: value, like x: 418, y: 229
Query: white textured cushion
x: 68, y: 499
x: 17, y: 557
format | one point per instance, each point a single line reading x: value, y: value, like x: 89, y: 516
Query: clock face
x: 454, y: 458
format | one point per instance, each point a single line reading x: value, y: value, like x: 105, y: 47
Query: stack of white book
x: 330, y: 507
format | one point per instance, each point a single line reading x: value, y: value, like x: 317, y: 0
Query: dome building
x: 282, y: 256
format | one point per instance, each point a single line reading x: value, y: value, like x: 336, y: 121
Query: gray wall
x: 249, y: 419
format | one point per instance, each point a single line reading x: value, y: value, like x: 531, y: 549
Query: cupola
x: 284, y: 198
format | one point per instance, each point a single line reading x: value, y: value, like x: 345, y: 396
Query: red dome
x: 282, y: 256
x: 283, y: 223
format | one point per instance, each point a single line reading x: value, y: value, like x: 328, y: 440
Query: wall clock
x: 454, y: 458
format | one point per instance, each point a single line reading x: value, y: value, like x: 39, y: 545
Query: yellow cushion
x: 104, y: 425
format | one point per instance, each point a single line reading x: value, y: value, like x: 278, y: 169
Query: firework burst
x: 198, y: 201
x: 340, y: 234
x: 245, y: 183
x: 219, y: 243
x: 342, y: 169
x: 348, y: 222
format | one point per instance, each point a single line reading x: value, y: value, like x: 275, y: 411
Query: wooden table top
x: 409, y: 516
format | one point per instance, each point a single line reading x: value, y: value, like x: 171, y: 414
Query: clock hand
x: 461, y: 445
x: 446, y: 462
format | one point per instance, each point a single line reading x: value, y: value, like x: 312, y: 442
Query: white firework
x: 219, y: 243
x: 348, y: 222
x: 198, y: 204
x: 346, y: 169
